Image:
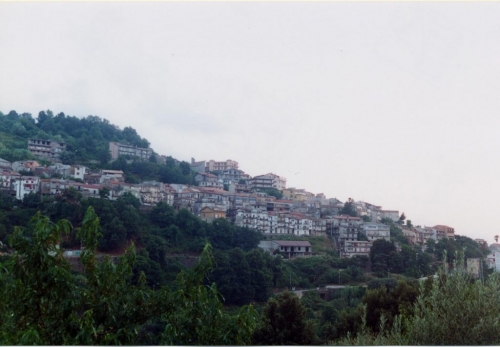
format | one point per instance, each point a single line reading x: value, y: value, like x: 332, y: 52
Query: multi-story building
x: 209, y: 215
x: 445, y: 231
x: 376, y: 231
x: 356, y: 248
x: 213, y: 165
x: 198, y: 166
x: 268, y: 181
x: 48, y: 149
x: 24, y: 185
x: 118, y: 149
x: 297, y: 194
x: 346, y: 228
x: 392, y: 214
x: 78, y: 171
x: 5, y: 164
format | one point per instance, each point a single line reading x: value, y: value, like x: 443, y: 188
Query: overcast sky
x: 395, y: 104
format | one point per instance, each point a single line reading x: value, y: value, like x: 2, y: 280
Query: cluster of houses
x: 222, y: 190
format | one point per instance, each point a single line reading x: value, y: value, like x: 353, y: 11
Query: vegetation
x: 43, y: 302
x: 453, y: 309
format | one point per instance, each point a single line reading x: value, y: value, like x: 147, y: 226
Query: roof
x: 292, y: 243
x: 113, y: 171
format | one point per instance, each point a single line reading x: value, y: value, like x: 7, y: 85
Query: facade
x: 198, y: 166
x: 78, y: 171
x: 377, y: 231
x: 445, y: 231
x: 297, y: 194
x: 356, y: 248
x: 268, y: 181
x: 48, y: 149
x: 292, y: 249
x: 346, y: 228
x: 5, y: 164
x: 392, y: 214
x: 25, y: 185
x: 209, y: 215
x: 213, y: 165
x: 118, y: 149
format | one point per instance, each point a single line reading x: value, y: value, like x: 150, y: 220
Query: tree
x: 496, y: 238
x: 402, y: 218
x: 284, y: 323
x: 349, y: 208
x: 43, y: 303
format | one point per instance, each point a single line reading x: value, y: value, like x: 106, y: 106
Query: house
x: 108, y: 174
x: 208, y: 180
x: 267, y: 181
x: 208, y: 215
x: 60, y: 169
x: 346, y: 228
x: 48, y: 149
x: 292, y: 249
x: 24, y: 185
x: 213, y: 165
x: 356, y: 248
x: 391, y: 214
x: 118, y: 149
x: 25, y: 165
x: 444, y: 231
x: 7, y: 179
x: 376, y: 231
x: 198, y: 166
x: 297, y: 194
x: 5, y: 164
x: 78, y: 171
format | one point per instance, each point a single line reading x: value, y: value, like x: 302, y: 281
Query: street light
x: 339, y: 275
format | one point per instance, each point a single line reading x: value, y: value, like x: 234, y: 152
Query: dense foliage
x: 453, y: 309
x: 43, y: 302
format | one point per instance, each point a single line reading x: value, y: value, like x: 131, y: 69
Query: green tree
x: 349, y: 208
x: 284, y: 323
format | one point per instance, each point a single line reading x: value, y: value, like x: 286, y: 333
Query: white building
x: 377, y: 231
x: 268, y: 181
x: 78, y: 171
x: 25, y: 185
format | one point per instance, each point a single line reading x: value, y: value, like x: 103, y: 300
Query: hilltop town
x: 221, y: 189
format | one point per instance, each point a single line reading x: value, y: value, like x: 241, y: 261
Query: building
x: 444, y: 231
x: 267, y: 181
x: 292, y: 249
x: 24, y: 185
x: 48, y: 149
x: 346, y: 228
x: 78, y: 171
x: 392, y: 214
x: 208, y: 215
x: 198, y: 166
x: 213, y: 165
x: 356, y: 248
x: 118, y: 149
x: 376, y: 231
x: 5, y: 164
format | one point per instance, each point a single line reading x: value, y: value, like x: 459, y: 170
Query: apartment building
x: 48, y: 149
x: 356, y: 248
x: 213, y: 165
x: 376, y: 231
x: 24, y: 185
x: 444, y: 231
x: 267, y: 181
x: 118, y: 149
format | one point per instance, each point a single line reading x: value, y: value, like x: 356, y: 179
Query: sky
x: 392, y: 103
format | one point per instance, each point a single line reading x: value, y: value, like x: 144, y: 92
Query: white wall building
x: 25, y: 185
